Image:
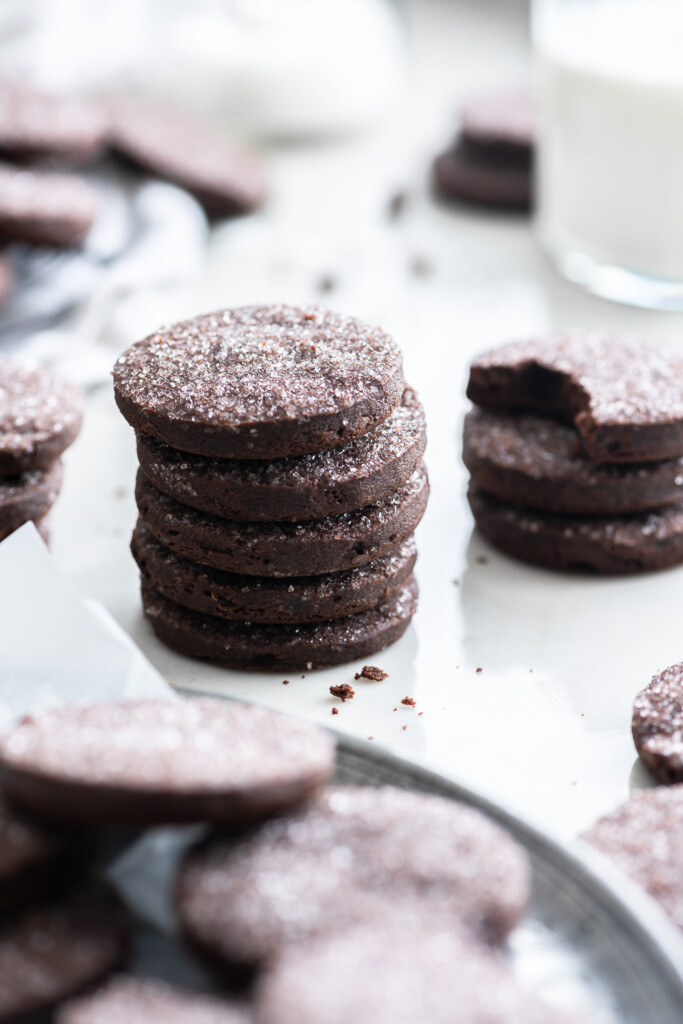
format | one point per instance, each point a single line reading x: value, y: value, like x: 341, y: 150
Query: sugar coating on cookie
x: 52, y: 952
x: 260, y: 382
x: 536, y: 461
x: 161, y: 760
x: 657, y: 725
x: 339, y: 861
x: 126, y: 1000
x: 294, y: 489
x: 644, y: 837
x: 40, y: 416
x: 397, y: 970
x: 624, y: 397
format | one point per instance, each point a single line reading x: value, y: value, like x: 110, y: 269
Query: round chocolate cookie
x: 530, y: 460
x: 28, y: 497
x: 347, y: 857
x: 45, y: 208
x: 502, y: 125
x: 459, y: 175
x: 304, y: 487
x: 284, y: 549
x: 657, y: 725
x: 260, y: 382
x: 33, y: 861
x: 638, y: 543
x: 644, y: 836
x: 293, y: 600
x: 624, y: 397
x: 153, y: 762
x: 396, y: 972
x: 52, y: 953
x: 40, y: 417
x: 261, y: 647
x: 127, y: 1000
x: 37, y: 125
x: 191, y: 153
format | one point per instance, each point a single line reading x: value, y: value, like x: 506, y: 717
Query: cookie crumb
x: 409, y: 701
x: 344, y: 691
x: 371, y: 737
x: 395, y: 709
x: 420, y: 713
x: 481, y: 560
x: 371, y: 672
x: 480, y: 670
x: 285, y: 682
x: 121, y: 492
x: 335, y: 711
x: 397, y: 205
x: 326, y: 283
x: 404, y: 727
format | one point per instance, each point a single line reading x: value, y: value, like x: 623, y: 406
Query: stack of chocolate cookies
x: 280, y: 483
x: 576, y: 452
x: 40, y: 417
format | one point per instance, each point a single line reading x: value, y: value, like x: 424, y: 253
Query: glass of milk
x: 610, y: 155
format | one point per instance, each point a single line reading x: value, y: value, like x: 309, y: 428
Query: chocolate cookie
x: 34, y: 862
x: 153, y: 762
x: 40, y: 417
x: 260, y: 382
x: 293, y: 600
x: 624, y: 397
x: 41, y: 525
x: 644, y: 836
x: 396, y: 972
x: 530, y: 460
x: 146, y: 1001
x: 458, y: 175
x: 304, y: 487
x: 54, y: 952
x: 501, y: 127
x: 28, y: 497
x: 657, y: 725
x: 37, y: 125
x: 638, y: 543
x: 247, y: 646
x: 45, y: 208
x: 284, y: 549
x: 191, y: 153
x: 347, y: 857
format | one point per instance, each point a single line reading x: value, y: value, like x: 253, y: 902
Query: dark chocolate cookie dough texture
x: 575, y: 450
x: 280, y: 483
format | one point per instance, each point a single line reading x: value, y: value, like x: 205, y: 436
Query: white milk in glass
x: 610, y: 164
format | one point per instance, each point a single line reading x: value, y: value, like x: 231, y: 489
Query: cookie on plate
x: 127, y: 1000
x: 347, y: 857
x: 53, y: 952
x: 606, y: 544
x: 35, y: 124
x: 161, y: 761
x: 624, y: 397
x: 657, y: 725
x: 327, y: 545
x: 260, y: 382
x: 191, y: 153
x: 294, y: 489
x: 395, y: 971
x: 538, y: 462
x: 644, y: 837
x: 40, y: 417
x: 294, y: 600
x: 45, y: 208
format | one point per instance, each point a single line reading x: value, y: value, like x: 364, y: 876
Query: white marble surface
x: 544, y: 726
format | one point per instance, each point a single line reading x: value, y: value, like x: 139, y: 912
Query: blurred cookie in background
x: 39, y: 125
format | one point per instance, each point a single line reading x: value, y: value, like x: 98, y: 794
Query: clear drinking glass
x: 610, y: 154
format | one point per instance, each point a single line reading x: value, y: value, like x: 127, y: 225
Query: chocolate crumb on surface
x: 344, y: 691
x: 397, y: 204
x: 285, y: 682
x: 335, y: 711
x: 371, y: 672
x: 480, y: 670
x: 409, y: 702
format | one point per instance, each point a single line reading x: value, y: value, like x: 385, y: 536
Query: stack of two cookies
x: 576, y: 452
x: 280, y: 483
x: 40, y: 417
